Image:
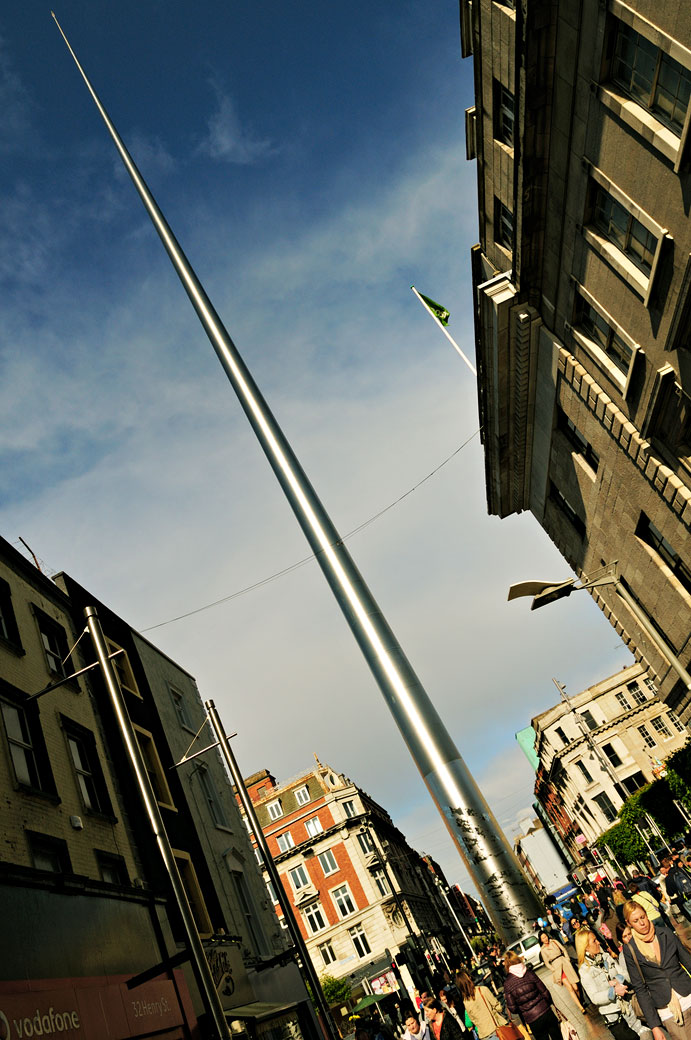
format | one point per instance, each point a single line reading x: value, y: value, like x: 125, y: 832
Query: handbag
x: 635, y: 1003
x: 507, y: 1032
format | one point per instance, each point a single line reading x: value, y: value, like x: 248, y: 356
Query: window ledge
x: 598, y: 355
x: 618, y: 261
x: 36, y: 792
x: 588, y: 470
x: 662, y: 139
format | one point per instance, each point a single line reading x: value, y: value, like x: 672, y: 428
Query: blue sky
x: 310, y: 159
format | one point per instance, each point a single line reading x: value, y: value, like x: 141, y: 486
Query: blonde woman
x: 555, y: 957
x: 605, y: 985
x: 658, y: 967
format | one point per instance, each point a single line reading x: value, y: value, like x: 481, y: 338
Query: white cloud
x: 227, y: 139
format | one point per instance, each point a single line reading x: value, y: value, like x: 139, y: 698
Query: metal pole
x: 654, y: 826
x: 198, y: 956
x: 272, y: 870
x: 485, y: 851
x: 460, y: 927
x: 682, y: 810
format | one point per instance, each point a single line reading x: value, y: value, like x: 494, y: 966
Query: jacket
x: 555, y: 957
x: 485, y: 1012
x: 527, y: 996
x: 653, y: 983
x: 598, y: 982
x: 450, y: 1029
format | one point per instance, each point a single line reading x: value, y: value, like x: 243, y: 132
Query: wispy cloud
x: 227, y: 139
x: 15, y: 106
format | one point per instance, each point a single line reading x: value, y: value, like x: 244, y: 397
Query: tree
x: 336, y: 991
x: 625, y: 842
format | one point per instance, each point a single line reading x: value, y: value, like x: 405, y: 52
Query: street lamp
x: 547, y: 592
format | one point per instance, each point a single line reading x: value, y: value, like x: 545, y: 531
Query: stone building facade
x: 582, y: 295
x: 80, y: 866
x: 597, y: 748
x: 362, y: 897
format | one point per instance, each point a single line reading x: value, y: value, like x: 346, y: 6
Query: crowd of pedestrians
x: 615, y: 949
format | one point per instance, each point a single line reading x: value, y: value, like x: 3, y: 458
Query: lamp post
x: 547, y: 592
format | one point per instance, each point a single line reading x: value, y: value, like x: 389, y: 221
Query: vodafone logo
x: 48, y: 1023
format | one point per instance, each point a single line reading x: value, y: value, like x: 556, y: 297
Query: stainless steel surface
x: 488, y: 857
x: 197, y: 954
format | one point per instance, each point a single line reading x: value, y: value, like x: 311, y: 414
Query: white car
x: 528, y: 948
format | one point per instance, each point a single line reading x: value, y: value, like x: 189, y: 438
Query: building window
x: 275, y: 810
x: 589, y: 719
x: 652, y: 688
x: 661, y: 728
x: 504, y: 106
x: 87, y: 767
x: 623, y: 701
x: 652, y: 78
x: 605, y: 337
x: 349, y: 809
x: 562, y: 736
x: 299, y: 877
x: 258, y: 856
x: 212, y: 798
x: 577, y: 440
x: 27, y: 748
x: 637, y: 693
x: 154, y: 768
x: 328, y: 862
x: 647, y: 739
x: 314, y: 826
x: 676, y: 721
x: 357, y: 934
x: 194, y: 893
x: 670, y: 424
x: 612, y: 755
x: 55, y: 646
x: 181, y: 707
x: 302, y: 795
x: 112, y: 868
x: 606, y: 806
x: 285, y: 842
x: 365, y: 842
x: 565, y: 507
x: 623, y: 230
x: 9, y: 631
x: 503, y: 224
x: 327, y: 954
x: 249, y: 912
x: 381, y: 881
x: 48, y: 853
x: 272, y: 892
x: 123, y: 669
x: 314, y: 918
x: 343, y: 900
x: 649, y: 533
x: 633, y: 783
x: 583, y: 769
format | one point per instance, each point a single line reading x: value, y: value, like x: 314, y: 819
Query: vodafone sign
x: 88, y: 1009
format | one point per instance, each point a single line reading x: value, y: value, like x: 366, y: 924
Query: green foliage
x: 336, y: 991
x: 625, y: 842
x: 483, y: 942
x: 680, y: 763
x: 658, y: 801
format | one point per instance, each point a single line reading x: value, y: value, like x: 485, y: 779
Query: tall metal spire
x: 488, y: 857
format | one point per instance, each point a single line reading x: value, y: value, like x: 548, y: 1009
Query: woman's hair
x: 432, y: 1002
x: 581, y: 942
x: 547, y: 935
x: 629, y: 906
x: 511, y: 958
x: 465, y: 984
x: 619, y: 896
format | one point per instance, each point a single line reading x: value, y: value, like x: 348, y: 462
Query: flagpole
x: 446, y: 332
x: 483, y: 846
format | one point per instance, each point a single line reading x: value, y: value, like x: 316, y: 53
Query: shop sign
x: 386, y: 983
x: 88, y: 1012
x: 229, y: 974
